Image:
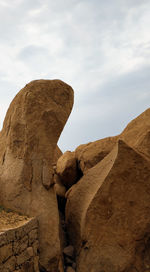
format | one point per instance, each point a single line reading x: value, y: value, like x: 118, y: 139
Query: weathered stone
x: 30, y: 251
x: 20, y: 245
x: 110, y: 227
x: 36, y: 264
x: 25, y: 256
x: 28, y: 142
x: 66, y: 169
x: 5, y: 252
x: 3, y: 239
x: 69, y: 251
x: 10, y: 235
x: 28, y: 266
x: 35, y: 246
x: 20, y: 233
x: 10, y: 264
x: 33, y: 235
x: 70, y: 269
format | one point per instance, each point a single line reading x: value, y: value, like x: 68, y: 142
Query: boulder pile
x: 93, y: 204
x: 107, y: 210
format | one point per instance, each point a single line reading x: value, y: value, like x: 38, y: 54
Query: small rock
x: 66, y: 169
x: 69, y: 251
x: 70, y: 269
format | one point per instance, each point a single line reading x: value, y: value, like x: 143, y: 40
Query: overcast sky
x: 101, y: 48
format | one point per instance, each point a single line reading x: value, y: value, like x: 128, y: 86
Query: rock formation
x: 28, y: 140
x: 107, y: 212
x: 110, y: 226
x: 136, y: 134
x: 91, y: 205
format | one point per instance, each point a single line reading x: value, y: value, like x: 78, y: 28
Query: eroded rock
x: 28, y: 142
x: 107, y: 213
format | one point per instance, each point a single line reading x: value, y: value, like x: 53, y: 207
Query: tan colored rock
x: 90, y: 154
x: 136, y: 134
x: 66, y: 169
x: 69, y: 251
x: 110, y: 227
x: 36, y: 264
x: 28, y: 140
x: 9, y: 265
x: 5, y: 252
x: 70, y: 269
x: 57, y: 154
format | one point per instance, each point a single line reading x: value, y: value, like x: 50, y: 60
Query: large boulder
x: 136, y: 134
x: 28, y: 142
x: 108, y: 216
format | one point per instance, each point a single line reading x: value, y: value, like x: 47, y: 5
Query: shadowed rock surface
x: 28, y: 140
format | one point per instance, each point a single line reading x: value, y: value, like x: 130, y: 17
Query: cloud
x: 101, y: 50
x: 107, y: 110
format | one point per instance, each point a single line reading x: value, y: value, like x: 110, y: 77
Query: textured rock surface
x: 28, y: 141
x: 66, y: 169
x: 110, y: 227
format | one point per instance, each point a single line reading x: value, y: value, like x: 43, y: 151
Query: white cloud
x: 99, y: 48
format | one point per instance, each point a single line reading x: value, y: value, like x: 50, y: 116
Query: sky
x: 100, y: 48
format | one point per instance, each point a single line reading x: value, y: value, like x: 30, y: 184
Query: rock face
x: 28, y: 140
x: 108, y: 215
